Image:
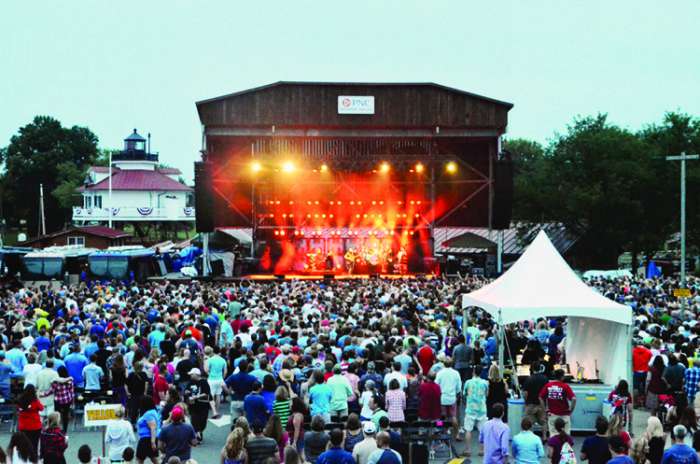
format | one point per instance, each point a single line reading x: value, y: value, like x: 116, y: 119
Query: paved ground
x: 215, y: 437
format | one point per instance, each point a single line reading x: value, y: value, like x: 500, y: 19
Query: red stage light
x: 352, y: 202
x: 277, y: 202
x: 413, y: 202
x: 332, y: 202
x: 416, y: 215
x: 384, y: 167
x: 316, y: 202
x: 357, y: 216
x: 324, y: 168
x: 272, y: 215
x: 359, y: 202
x: 282, y: 233
x: 316, y: 216
x: 308, y: 215
x: 419, y: 168
x: 381, y: 202
x: 418, y: 202
x: 323, y: 216
x: 330, y: 216
x: 277, y: 232
x: 340, y: 202
x: 308, y: 202
x: 374, y: 202
x: 291, y: 215
x: 291, y: 202
x: 284, y: 215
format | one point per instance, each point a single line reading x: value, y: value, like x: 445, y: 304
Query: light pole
x: 110, y: 188
x: 683, y: 157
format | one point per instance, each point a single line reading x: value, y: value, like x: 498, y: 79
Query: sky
x: 117, y: 65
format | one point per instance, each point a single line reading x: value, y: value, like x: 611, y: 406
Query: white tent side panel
x: 590, y: 340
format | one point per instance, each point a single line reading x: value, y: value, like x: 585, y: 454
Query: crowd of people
x: 326, y: 373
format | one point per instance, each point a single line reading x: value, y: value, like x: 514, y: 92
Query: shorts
x: 216, y: 386
x: 639, y: 380
x: 236, y: 408
x: 144, y: 450
x: 471, y: 421
x: 449, y: 411
x: 550, y: 424
x: 536, y: 414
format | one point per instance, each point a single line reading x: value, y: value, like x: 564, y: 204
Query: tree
x: 600, y: 182
x: 45, y: 152
x: 528, y: 165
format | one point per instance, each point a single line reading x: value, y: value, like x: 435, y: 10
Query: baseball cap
x: 368, y: 428
x: 194, y: 371
x: 177, y: 414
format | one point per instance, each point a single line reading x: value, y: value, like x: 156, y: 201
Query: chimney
x: 148, y: 149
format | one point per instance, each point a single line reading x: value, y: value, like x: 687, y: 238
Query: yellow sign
x: 681, y: 293
x: 100, y: 414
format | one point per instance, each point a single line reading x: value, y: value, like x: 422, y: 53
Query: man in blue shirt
x: 42, y: 342
x: 5, y: 374
x: 679, y: 453
x: 92, y: 373
x: 255, y: 407
x: 17, y: 359
x: 527, y: 447
x: 156, y: 336
x: 336, y: 454
x: 75, y: 363
x: 320, y: 396
x: 240, y: 385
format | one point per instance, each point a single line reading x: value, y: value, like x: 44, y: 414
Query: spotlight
x: 288, y: 166
x: 451, y: 167
x: 324, y: 168
x: 384, y: 167
x: 419, y: 168
x: 255, y: 166
x: 282, y: 233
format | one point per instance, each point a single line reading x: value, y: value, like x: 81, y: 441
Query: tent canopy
x: 541, y: 284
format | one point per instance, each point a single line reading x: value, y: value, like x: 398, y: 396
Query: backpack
x: 567, y: 456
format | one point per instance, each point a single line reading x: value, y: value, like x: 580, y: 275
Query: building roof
x: 135, y: 136
x: 170, y: 171
x: 105, y: 170
x: 139, y: 179
x: 96, y: 231
x: 354, y: 84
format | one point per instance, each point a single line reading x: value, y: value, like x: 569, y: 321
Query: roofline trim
x: 423, y: 84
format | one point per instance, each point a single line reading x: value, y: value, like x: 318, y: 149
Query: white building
x: 140, y: 190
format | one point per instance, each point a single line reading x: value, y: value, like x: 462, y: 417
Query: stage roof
x: 315, y: 104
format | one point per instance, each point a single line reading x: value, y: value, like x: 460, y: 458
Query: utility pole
x: 41, y: 207
x: 683, y: 157
x: 109, y: 209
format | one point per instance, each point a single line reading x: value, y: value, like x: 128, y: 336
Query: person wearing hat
x: 362, y: 450
x: 178, y: 437
x: 199, y: 400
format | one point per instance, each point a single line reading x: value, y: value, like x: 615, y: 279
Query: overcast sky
x: 116, y: 65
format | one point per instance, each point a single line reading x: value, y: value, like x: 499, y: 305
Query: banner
x: 97, y: 415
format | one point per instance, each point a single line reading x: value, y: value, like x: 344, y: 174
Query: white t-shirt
x: 450, y: 384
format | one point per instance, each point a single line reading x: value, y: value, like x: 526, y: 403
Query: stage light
x: 272, y: 215
x: 418, y: 202
x: 451, y: 167
x: 316, y: 216
x: 282, y: 233
x: 284, y: 215
x: 323, y: 216
x: 288, y: 167
x: 359, y: 202
x: 291, y: 202
x: 381, y: 202
x: 417, y: 215
x: 352, y: 203
x: 413, y: 202
x: 384, y: 167
x: 291, y: 215
x: 332, y: 202
x: 255, y: 166
x: 419, y: 168
x: 277, y: 202
x: 340, y: 202
x: 357, y: 216
x: 308, y: 215
x: 330, y: 216
x: 324, y: 168
x: 277, y: 232
x: 316, y: 202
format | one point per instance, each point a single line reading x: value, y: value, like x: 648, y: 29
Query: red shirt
x: 640, y: 359
x: 429, y: 401
x: 29, y: 418
x: 196, y: 333
x: 426, y: 358
x: 160, y: 385
x: 557, y: 395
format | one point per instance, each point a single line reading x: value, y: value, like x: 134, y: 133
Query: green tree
x: 45, y: 152
x: 600, y: 181
x: 528, y: 165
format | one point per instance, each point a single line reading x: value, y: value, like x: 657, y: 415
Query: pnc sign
x: 353, y: 104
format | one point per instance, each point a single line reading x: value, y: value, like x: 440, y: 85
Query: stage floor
x: 336, y: 276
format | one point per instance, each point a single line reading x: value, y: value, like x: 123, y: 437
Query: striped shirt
x: 282, y: 409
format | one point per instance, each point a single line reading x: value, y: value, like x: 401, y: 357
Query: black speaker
x: 203, y: 197
x: 502, y: 193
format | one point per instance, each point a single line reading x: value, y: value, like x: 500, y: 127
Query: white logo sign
x: 349, y: 104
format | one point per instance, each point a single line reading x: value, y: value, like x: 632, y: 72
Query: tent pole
x: 501, y: 337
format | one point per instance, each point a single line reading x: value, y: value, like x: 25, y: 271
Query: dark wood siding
x: 315, y: 105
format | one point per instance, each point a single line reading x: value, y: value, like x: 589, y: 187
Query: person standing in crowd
x: 315, y: 441
x: 320, y: 397
x: 475, y: 393
x: 239, y: 384
x: 527, y: 447
x: 691, y: 379
x: 498, y: 392
x: 462, y: 356
x: 559, y: 401
x: 75, y: 363
x: 495, y: 437
x: 148, y: 426
x: 119, y: 435
x: 364, y: 449
x: 53, y: 442
x: 178, y: 437
x: 531, y: 391
x: 341, y: 391
x: 641, y: 359
x: 93, y: 375
x: 29, y: 420
x: 679, y: 452
x: 352, y: 434
x: 450, y: 387
x: 20, y: 450
x: 674, y: 375
x: 655, y: 440
x: 596, y: 449
x: 395, y: 400
x: 136, y: 384
x: 619, y: 452
x: 255, y: 407
x: 384, y: 454
x: 233, y: 451
x: 621, y: 400
x: 260, y: 448
x: 429, y: 399
x: 198, y: 398
x: 558, y: 440
x: 335, y: 453
x: 215, y: 368
x: 44, y: 380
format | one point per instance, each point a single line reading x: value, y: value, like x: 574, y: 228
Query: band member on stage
x: 329, y: 261
x: 350, y: 258
x: 402, y: 261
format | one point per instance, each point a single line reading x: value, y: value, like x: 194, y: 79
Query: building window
x: 88, y: 202
x: 80, y: 241
x: 98, y: 201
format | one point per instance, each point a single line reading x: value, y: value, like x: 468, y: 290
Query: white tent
x: 541, y: 284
